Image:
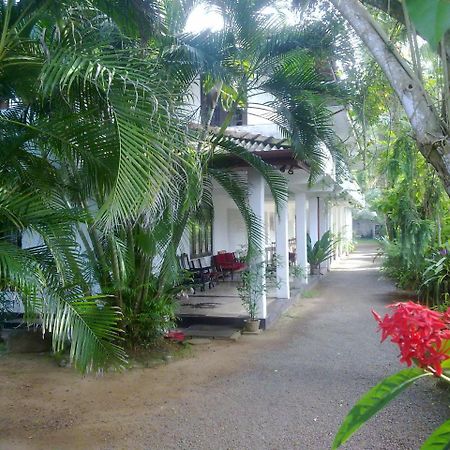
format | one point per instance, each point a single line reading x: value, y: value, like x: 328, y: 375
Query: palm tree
x: 86, y: 137
x: 97, y: 137
x: 94, y: 102
x: 257, y: 53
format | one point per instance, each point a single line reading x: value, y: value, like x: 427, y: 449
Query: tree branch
x: 430, y: 132
x: 395, y: 10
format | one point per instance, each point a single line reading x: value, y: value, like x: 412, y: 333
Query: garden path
x: 288, y: 388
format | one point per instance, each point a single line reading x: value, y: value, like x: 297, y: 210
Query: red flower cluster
x: 419, y: 332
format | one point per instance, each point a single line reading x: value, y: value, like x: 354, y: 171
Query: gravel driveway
x: 288, y: 388
x: 294, y: 394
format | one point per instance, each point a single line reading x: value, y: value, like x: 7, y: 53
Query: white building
x: 325, y: 205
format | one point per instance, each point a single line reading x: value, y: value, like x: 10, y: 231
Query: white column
x: 324, y: 225
x: 341, y: 229
x: 332, y: 219
x: 350, y: 224
x: 300, y: 231
x: 314, y: 219
x: 337, y: 215
x: 282, y: 251
x: 256, y: 200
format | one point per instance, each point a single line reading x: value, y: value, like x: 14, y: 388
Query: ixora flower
x: 420, y: 333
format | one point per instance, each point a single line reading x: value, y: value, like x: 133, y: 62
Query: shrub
x: 435, y: 285
x: 155, y: 318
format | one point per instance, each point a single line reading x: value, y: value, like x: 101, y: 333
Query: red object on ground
x: 174, y: 335
x: 420, y: 333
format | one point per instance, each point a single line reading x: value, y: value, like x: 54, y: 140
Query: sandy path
x: 286, y: 389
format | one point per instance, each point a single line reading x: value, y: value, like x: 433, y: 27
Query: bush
x: 436, y: 279
x: 406, y: 272
x: 156, y: 317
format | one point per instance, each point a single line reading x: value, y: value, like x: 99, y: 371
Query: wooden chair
x: 200, y: 275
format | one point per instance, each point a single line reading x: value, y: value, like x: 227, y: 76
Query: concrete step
x: 211, y: 332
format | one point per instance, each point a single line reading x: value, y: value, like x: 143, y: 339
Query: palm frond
x: 236, y: 187
x: 276, y: 182
x: 18, y: 269
x: 89, y: 324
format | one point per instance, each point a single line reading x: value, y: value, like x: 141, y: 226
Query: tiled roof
x: 273, y: 150
x: 255, y: 142
x: 251, y: 141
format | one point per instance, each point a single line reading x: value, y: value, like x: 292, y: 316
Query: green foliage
x: 431, y: 18
x: 374, y: 400
x: 322, y: 250
x: 155, y: 318
x: 406, y: 272
x: 439, y: 439
x: 310, y: 293
x: 435, y: 279
x: 413, y: 203
x: 250, y: 288
x: 96, y: 146
x: 296, y: 271
x: 87, y: 324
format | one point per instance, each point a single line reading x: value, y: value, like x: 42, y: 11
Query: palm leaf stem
x: 115, y: 269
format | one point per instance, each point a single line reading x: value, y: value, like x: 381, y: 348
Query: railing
x: 271, y: 252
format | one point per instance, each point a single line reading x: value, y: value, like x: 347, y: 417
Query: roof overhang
x: 275, y: 151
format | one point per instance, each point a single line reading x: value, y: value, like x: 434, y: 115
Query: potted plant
x: 250, y: 291
x: 319, y: 252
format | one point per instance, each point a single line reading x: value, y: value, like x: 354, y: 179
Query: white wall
x: 257, y: 116
x: 236, y: 232
x: 185, y: 243
x: 271, y: 221
x: 228, y: 227
x: 31, y: 239
x: 193, y: 101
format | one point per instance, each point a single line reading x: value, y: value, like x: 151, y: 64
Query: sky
x: 204, y: 17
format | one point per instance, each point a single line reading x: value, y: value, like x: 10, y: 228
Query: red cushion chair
x: 226, y: 262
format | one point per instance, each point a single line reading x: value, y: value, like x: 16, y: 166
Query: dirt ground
x: 288, y: 388
x: 49, y: 407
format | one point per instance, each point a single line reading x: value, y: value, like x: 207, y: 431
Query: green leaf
x: 431, y: 18
x: 374, y: 400
x: 439, y: 439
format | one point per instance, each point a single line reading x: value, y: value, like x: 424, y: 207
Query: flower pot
x: 251, y: 325
x: 315, y: 270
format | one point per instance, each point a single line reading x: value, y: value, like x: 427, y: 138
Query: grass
x: 161, y: 353
x: 367, y: 241
x: 311, y: 293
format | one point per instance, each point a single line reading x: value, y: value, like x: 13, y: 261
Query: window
x: 201, y: 234
x: 12, y: 236
x: 239, y: 117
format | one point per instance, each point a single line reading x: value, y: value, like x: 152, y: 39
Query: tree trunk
x: 430, y: 132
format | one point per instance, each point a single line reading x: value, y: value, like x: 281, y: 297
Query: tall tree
x: 431, y: 128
